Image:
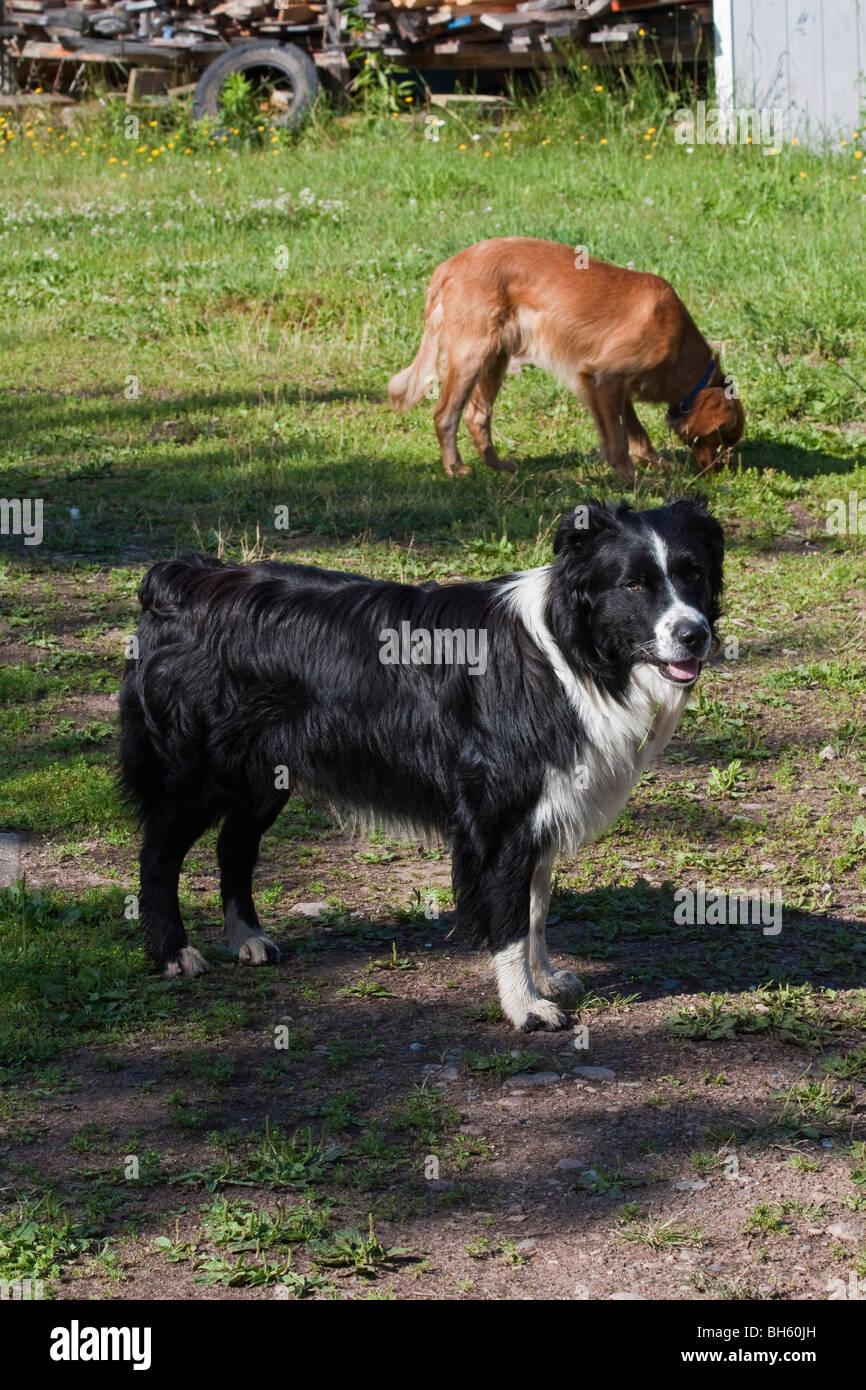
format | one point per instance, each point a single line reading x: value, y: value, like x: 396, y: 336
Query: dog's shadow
x: 650, y: 940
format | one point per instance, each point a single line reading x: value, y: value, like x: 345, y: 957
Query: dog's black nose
x: 692, y: 635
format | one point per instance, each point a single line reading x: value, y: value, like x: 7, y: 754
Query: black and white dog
x: 254, y: 680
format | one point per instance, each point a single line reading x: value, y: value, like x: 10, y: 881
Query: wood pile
x: 457, y: 33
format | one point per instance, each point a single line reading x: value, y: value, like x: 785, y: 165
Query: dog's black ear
x: 698, y: 521
x: 585, y: 524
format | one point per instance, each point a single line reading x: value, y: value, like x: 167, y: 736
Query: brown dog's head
x: 712, y: 427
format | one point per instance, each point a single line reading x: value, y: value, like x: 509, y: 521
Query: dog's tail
x: 407, y: 387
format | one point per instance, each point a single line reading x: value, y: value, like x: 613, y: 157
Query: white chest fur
x: 578, y: 803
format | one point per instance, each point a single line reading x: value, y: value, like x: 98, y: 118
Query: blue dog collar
x: 682, y: 408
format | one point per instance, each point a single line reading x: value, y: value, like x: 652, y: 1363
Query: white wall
x: 806, y: 58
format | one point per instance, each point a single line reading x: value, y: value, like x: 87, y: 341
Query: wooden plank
x: 147, y: 82
x: 502, y: 22
x: 111, y: 52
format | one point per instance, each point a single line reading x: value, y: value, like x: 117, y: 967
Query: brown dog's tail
x: 407, y: 387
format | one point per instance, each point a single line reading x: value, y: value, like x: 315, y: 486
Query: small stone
x: 535, y: 1078
x: 843, y: 1230
x: 414, y: 1047
x: 569, y: 1163
x: 691, y: 1185
x: 310, y: 909
x: 828, y: 753
x: 595, y: 1073
x: 524, y: 1246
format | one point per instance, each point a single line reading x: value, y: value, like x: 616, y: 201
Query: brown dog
x: 608, y: 333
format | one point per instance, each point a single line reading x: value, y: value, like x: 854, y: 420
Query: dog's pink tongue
x: 684, y: 671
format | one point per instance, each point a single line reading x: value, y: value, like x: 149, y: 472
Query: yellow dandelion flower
x: 598, y: 87
x: 858, y: 154
x: 461, y: 147
x: 602, y: 141
x: 113, y: 159
x: 123, y: 176
x: 486, y: 154
x: 795, y: 142
x: 802, y: 175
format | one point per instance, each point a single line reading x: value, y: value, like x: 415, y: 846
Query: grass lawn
x: 197, y: 339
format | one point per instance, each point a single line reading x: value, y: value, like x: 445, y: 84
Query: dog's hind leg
x: 166, y: 844
x: 550, y: 983
x: 237, y: 851
x: 457, y: 384
x: 479, y: 413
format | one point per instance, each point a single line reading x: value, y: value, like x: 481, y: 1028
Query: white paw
x: 256, y: 949
x: 542, y: 1015
x: 188, y: 962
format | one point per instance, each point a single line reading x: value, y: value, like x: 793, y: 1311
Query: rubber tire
x: 297, y: 65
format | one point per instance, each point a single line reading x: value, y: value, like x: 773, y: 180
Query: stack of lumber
x: 455, y: 33
x: 169, y: 23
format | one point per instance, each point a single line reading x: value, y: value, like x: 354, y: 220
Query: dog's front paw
x: 188, y: 962
x: 257, y: 949
x: 543, y: 1017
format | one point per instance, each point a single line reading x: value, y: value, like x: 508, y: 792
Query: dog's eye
x: 694, y: 575
x: 634, y: 585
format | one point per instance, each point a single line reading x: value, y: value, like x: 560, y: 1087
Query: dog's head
x: 637, y: 589
x: 712, y: 427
